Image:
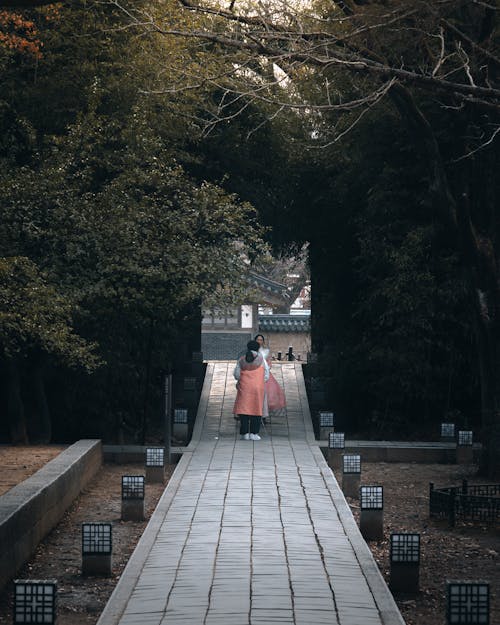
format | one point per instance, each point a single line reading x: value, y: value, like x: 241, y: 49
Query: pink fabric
x: 275, y: 394
x: 250, y: 394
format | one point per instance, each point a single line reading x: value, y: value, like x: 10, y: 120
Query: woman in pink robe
x: 274, y: 399
x: 252, y: 372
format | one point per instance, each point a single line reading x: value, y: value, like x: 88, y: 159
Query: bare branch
x: 491, y: 7
x: 479, y: 148
x: 473, y: 45
x: 441, y: 54
x: 466, y: 63
x: 358, y: 118
x: 268, y: 46
x: 286, y: 40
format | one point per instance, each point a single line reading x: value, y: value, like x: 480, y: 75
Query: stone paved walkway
x: 252, y: 533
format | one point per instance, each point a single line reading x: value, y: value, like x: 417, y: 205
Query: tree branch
x: 471, y: 43
x: 487, y: 96
x: 276, y: 41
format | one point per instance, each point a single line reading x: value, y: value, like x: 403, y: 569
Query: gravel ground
x: 465, y: 552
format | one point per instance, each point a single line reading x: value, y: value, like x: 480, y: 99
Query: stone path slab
x: 252, y: 533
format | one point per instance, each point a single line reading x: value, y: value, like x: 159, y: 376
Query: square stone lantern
x: 336, y: 447
x: 181, y: 424
x: 467, y: 603
x: 326, y: 419
x: 465, y: 453
x: 97, y: 544
x: 35, y: 601
x: 448, y: 432
x: 371, y: 519
x: 132, y: 498
x: 351, y: 475
x: 155, y: 465
x: 405, y: 562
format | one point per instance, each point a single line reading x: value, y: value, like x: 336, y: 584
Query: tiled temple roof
x: 284, y: 323
x: 271, y: 286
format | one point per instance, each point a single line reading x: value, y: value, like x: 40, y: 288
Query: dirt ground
x: 81, y: 599
x: 465, y: 552
x: 18, y: 463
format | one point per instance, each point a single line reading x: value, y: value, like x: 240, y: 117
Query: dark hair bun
x: 252, y: 346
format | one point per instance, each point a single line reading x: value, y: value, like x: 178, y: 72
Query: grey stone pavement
x: 251, y: 533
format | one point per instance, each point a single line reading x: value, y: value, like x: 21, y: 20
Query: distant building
x: 285, y: 331
x: 225, y: 332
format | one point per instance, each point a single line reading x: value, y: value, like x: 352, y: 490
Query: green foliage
x: 34, y: 317
x: 118, y: 217
x: 107, y: 243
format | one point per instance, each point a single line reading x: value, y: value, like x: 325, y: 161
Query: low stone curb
x: 123, y: 590
x: 30, y: 510
x: 388, y: 609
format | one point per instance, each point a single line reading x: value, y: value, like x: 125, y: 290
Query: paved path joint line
x: 252, y: 532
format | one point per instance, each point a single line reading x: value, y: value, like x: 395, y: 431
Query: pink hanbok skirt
x: 275, y: 395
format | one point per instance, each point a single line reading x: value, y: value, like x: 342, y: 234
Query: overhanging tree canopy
x: 436, y: 63
x: 113, y: 240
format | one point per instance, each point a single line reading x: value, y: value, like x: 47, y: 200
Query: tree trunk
x: 147, y: 383
x: 483, y: 279
x: 15, y: 407
x: 44, y: 422
x: 490, y: 462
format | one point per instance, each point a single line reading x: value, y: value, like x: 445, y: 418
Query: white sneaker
x: 254, y: 437
x: 245, y: 437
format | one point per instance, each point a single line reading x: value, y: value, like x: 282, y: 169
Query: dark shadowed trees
x: 436, y: 65
x: 107, y: 242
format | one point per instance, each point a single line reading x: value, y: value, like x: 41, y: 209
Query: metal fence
x: 478, y: 502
